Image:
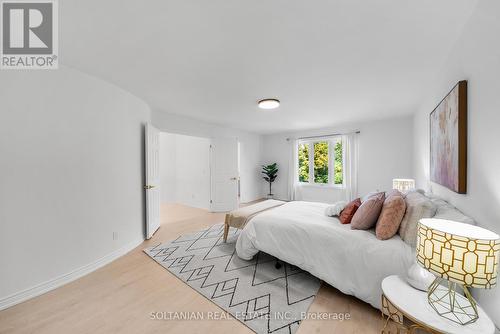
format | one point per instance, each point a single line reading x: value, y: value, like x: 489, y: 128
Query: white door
x: 224, y: 174
x: 152, y: 185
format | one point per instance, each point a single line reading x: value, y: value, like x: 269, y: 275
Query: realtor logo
x: 29, y: 34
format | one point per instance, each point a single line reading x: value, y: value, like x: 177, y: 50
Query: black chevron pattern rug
x: 267, y: 295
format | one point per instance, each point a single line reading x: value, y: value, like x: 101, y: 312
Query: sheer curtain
x: 292, y: 169
x: 351, y: 165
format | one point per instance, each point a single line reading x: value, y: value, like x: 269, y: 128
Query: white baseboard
x: 54, y: 283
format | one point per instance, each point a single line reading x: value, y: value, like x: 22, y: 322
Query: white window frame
x: 332, y: 141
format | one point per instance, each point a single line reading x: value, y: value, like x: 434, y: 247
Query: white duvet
x: 355, y: 262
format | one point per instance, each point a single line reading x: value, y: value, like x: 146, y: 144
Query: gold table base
x: 403, y: 323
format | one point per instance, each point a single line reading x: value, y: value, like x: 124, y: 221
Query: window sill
x: 320, y: 185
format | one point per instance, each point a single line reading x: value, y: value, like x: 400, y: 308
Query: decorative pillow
x: 335, y: 209
x: 390, y: 218
x: 349, y: 211
x: 370, y: 195
x: 367, y: 214
x: 417, y: 207
x: 420, y: 191
x: 447, y: 211
x: 394, y: 192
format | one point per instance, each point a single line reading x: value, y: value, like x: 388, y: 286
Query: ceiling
x: 328, y: 62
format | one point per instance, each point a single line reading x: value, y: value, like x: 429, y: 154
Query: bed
x: 353, y: 261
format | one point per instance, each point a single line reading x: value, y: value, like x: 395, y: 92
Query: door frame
x: 152, y: 190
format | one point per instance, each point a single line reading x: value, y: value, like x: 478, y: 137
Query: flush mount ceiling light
x: 269, y: 103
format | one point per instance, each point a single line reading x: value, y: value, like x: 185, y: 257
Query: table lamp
x: 403, y: 185
x: 461, y: 256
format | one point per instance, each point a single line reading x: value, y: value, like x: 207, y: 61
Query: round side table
x: 410, y: 310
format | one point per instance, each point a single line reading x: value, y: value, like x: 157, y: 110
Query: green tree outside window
x: 303, y: 162
x: 338, y: 164
x: 321, y: 162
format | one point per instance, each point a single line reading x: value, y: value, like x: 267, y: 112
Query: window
x: 338, y: 165
x: 321, y: 162
x: 303, y: 162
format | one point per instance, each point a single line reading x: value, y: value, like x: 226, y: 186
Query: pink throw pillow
x: 367, y: 214
x: 390, y: 218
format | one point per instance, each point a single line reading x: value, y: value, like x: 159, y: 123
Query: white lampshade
x: 403, y: 185
x: 461, y: 253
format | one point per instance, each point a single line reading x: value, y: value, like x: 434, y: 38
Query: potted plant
x: 270, y: 174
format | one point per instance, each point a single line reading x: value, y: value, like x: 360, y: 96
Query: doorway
x: 198, y: 172
x: 184, y: 173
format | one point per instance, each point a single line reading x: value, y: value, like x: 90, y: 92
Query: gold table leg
x: 389, y: 312
x: 226, y: 227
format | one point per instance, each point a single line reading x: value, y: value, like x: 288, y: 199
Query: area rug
x: 267, y: 295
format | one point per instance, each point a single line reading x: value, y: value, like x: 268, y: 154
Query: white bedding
x: 355, y: 262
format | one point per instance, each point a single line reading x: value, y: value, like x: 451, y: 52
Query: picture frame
x: 448, y: 140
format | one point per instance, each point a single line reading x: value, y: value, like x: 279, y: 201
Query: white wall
x: 385, y: 152
x: 71, y: 174
x: 168, y: 167
x: 185, y: 170
x: 476, y: 58
x: 250, y: 147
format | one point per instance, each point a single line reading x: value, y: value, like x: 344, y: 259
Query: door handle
x: 148, y: 187
x: 233, y: 178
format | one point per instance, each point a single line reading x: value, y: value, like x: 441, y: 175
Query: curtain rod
x: 329, y: 135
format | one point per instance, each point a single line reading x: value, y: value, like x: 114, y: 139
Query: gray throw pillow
x: 447, y: 211
x: 417, y: 207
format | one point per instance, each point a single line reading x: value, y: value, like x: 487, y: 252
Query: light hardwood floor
x: 120, y: 297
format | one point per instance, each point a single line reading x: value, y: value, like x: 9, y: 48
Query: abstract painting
x: 448, y: 142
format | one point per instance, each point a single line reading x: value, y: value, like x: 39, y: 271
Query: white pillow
x: 335, y: 209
